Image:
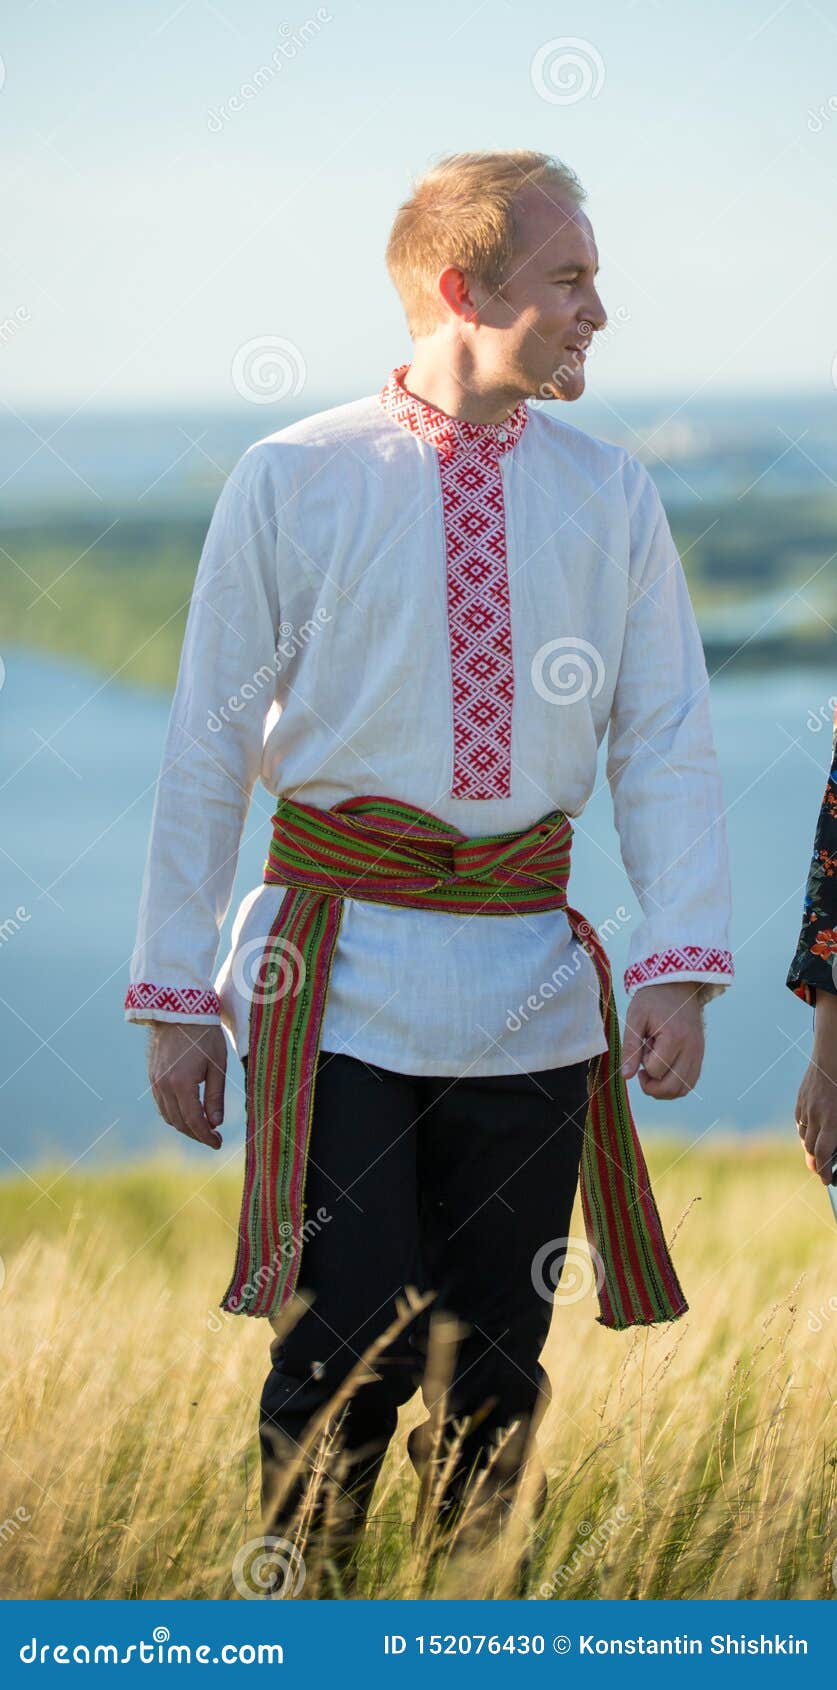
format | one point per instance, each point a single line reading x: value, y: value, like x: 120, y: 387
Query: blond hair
x: 462, y: 212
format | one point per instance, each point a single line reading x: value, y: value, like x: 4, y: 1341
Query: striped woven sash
x: 390, y: 852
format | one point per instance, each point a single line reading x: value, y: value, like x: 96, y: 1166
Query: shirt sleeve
x: 212, y: 754
x: 813, y: 966
x: 662, y: 769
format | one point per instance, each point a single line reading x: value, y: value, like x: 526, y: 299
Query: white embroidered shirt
x: 391, y: 601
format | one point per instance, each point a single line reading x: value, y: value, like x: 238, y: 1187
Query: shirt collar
x: 447, y: 434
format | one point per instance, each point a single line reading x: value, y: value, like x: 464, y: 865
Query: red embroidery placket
x: 479, y: 618
x: 477, y: 580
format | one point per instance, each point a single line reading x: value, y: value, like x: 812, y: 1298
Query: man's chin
x: 569, y: 388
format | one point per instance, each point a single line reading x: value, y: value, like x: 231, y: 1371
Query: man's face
x: 548, y: 309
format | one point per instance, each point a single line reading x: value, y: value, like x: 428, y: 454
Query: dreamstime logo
x: 291, y: 641
x: 595, y: 1539
x: 565, y: 1270
x: 216, y: 1320
x: 566, y: 70
x: 818, y: 1317
x: 567, y: 669
x: 10, y: 325
x: 834, y: 1572
x: 819, y: 118
x: 11, y: 1526
x: 2, y: 1273
x: 268, y: 1566
x: 824, y: 717
x: 12, y: 924
x: 2, y: 674
x: 290, y: 1244
x: 560, y: 976
x: 546, y: 391
x: 292, y: 43
x: 2, y: 73
x: 266, y: 971
x: 268, y: 368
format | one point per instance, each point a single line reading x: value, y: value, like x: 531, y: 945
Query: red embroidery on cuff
x: 476, y: 570
x: 703, y: 959
x: 179, y: 1000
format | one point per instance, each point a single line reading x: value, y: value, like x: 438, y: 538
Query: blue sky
x: 147, y: 240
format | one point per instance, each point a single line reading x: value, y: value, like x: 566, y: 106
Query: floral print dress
x: 814, y: 966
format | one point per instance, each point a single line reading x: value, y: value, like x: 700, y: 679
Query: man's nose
x: 595, y: 314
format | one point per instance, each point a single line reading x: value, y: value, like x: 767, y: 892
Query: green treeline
x: 114, y: 591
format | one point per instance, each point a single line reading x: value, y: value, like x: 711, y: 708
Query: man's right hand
x: 181, y: 1059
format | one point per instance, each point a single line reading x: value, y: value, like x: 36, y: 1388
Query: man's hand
x: 181, y: 1059
x: 816, y: 1104
x: 664, y: 1039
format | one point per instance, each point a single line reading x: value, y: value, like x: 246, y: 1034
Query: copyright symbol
x: 561, y: 1645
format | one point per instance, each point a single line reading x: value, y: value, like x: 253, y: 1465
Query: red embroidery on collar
x: 479, y: 609
x: 447, y: 434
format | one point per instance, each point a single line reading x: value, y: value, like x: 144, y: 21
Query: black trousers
x: 450, y: 1185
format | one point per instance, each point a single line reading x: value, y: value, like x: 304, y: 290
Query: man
x: 811, y: 977
x: 471, y: 593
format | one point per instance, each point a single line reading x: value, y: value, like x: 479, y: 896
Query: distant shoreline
x: 112, y: 586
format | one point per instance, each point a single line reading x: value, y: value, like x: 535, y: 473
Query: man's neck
x: 438, y: 381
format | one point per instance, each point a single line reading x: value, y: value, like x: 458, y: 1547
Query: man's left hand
x: 664, y: 1038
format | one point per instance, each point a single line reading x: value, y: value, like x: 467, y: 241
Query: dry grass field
x: 692, y: 1460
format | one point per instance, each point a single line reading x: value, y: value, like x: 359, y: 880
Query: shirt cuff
x: 145, y: 1002
x: 705, y: 963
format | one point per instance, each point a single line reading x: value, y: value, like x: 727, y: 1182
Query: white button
x: 502, y: 434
